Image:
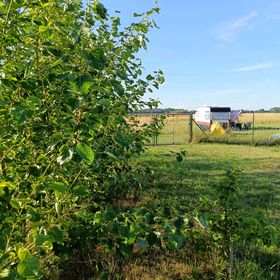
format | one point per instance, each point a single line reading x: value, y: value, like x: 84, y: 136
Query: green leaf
x: 82, y: 83
x: 172, y: 245
x: 4, y: 273
x: 8, y: 185
x: 2, y: 192
x: 45, y: 241
x: 42, y: 238
x: 29, y: 266
x: 80, y: 190
x: 56, y: 234
x: 58, y: 187
x: 130, y: 240
x: 97, y: 217
x: 101, y: 10
x: 10, y: 220
x: 149, y: 77
x: 86, y: 86
x: 203, y: 221
x: 22, y: 254
x: 96, y: 58
x: 112, y: 154
x: 142, y: 243
x: 15, y: 203
x: 120, y: 139
x: 43, y: 29
x: 34, y: 100
x: 138, y: 15
x: 85, y: 152
x: 181, y: 241
x: 82, y: 87
x: 105, y: 102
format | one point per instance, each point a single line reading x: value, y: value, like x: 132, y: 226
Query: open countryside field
x: 177, y: 129
x: 262, y: 119
x: 190, y: 186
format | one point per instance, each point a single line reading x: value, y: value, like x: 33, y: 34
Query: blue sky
x: 224, y: 53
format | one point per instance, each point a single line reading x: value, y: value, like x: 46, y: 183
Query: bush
x: 69, y: 79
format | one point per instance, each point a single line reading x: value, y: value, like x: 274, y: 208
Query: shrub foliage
x: 69, y: 77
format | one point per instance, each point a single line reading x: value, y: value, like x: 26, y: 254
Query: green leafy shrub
x: 69, y: 77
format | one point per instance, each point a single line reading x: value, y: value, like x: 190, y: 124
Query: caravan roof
x: 215, y: 108
x: 220, y: 109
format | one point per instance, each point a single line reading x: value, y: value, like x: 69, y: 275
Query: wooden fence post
x: 191, y: 128
x: 253, y: 129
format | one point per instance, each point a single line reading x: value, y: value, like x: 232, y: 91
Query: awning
x: 234, y: 115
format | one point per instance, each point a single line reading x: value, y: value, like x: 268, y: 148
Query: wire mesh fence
x: 251, y: 128
x: 176, y: 128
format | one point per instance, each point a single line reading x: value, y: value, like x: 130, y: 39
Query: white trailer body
x: 205, y: 116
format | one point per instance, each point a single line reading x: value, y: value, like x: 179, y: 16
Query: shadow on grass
x: 185, y: 182
x: 182, y: 184
x: 267, y: 260
x: 261, y: 190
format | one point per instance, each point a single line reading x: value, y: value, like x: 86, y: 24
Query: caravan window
x: 221, y: 116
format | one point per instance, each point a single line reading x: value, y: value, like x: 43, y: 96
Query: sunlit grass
x: 262, y: 119
x: 182, y: 185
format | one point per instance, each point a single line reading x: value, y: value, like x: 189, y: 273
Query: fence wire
x: 253, y: 128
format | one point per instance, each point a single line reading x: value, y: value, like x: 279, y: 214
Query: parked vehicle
x: 205, y: 116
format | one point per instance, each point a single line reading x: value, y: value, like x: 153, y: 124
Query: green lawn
x: 204, y: 165
x: 184, y: 185
x: 260, y: 137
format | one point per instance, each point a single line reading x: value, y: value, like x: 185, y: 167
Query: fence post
x: 253, y: 129
x: 156, y: 135
x: 191, y: 128
x: 173, y: 138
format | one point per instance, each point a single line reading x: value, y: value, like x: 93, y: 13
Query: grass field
x: 262, y: 119
x: 177, y: 129
x: 186, y: 186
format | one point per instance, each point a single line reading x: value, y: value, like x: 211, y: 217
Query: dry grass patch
x: 168, y: 266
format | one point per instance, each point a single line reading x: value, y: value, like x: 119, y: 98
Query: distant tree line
x: 164, y: 111
x: 184, y: 111
x: 272, y: 110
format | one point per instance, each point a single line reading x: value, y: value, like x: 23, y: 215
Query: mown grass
x: 204, y: 166
x: 186, y: 185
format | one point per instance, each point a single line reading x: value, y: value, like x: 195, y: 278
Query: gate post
x: 253, y: 129
x: 190, y: 128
